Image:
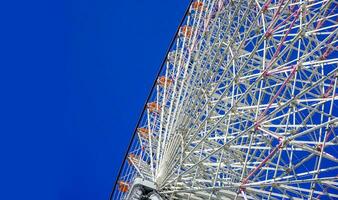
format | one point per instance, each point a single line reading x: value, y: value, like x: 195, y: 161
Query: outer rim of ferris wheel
x: 265, y: 109
x: 148, y: 98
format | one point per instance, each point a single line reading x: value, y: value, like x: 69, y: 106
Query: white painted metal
x: 248, y: 108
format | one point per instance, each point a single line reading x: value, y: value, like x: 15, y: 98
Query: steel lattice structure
x: 245, y: 106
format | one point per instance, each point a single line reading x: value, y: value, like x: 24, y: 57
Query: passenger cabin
x: 123, y: 186
x: 163, y: 81
x: 197, y: 6
x: 186, y: 31
x: 132, y: 158
x: 143, y: 133
x: 153, y: 107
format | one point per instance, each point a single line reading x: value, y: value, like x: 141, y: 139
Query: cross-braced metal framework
x: 245, y: 106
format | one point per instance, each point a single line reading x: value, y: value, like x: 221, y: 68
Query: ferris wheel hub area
x: 143, y: 190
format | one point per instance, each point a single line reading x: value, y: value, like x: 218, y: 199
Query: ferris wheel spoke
x: 246, y: 105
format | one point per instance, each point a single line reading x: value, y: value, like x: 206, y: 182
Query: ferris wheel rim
x: 168, y: 147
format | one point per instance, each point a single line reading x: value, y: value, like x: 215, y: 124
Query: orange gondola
x: 132, y: 158
x: 163, y: 81
x: 123, y: 186
x: 186, y: 31
x: 153, y: 107
x: 197, y: 6
x: 143, y: 132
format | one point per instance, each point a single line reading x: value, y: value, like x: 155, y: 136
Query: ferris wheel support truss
x: 244, y: 106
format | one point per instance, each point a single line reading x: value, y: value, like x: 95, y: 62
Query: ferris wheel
x: 244, y: 106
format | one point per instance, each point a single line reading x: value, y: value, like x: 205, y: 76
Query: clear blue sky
x: 74, y: 78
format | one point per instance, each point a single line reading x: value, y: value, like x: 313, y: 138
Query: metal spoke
x: 245, y: 106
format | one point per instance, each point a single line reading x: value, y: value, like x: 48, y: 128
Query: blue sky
x: 74, y: 78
